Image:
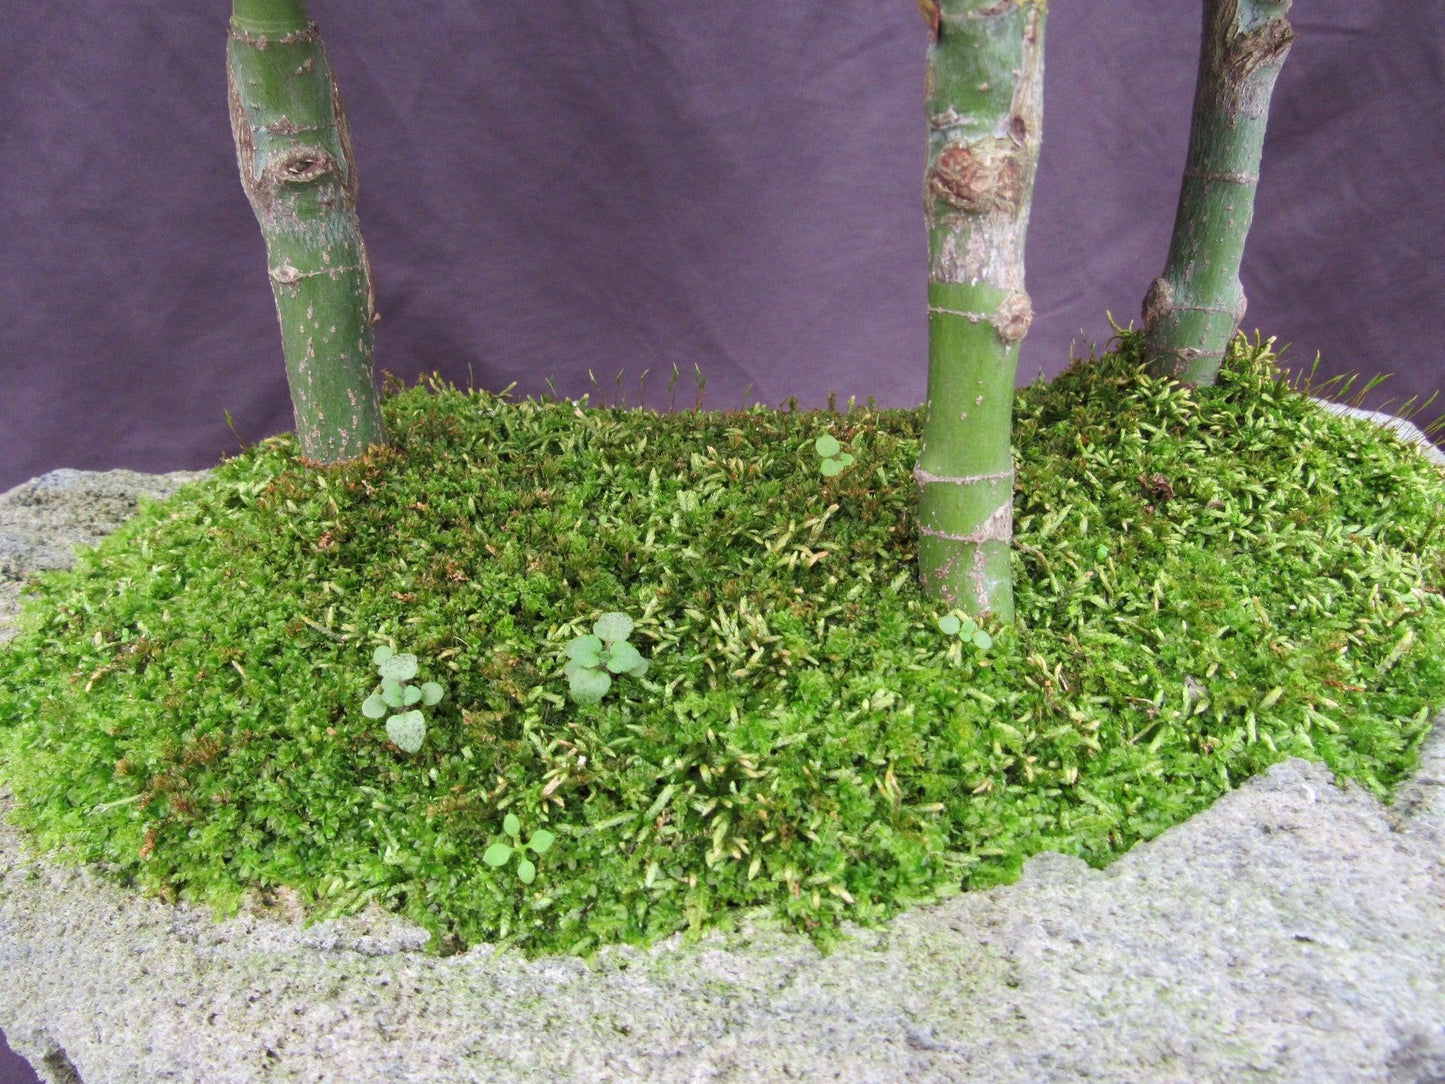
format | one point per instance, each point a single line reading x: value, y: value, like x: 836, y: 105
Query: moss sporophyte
x: 1208, y: 580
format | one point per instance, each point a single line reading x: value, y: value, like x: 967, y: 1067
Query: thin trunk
x: 1194, y: 308
x: 985, y: 110
x: 294, y: 152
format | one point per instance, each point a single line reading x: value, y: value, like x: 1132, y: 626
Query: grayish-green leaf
x: 982, y: 640
x: 831, y: 468
x: 541, y: 841
x: 410, y: 695
x: 431, y: 693
x: 526, y: 871
x: 588, y: 686
x: 497, y: 854
x: 381, y: 654
x: 949, y: 624
x: 392, y: 693
x: 399, y: 667
x: 622, y: 657
x: 586, y: 649
x: 511, y: 825
x: 613, y: 626
x: 640, y: 669
x: 373, y: 707
x: 827, y: 445
x: 844, y: 460
x: 407, y: 729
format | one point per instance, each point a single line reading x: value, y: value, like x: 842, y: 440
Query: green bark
x: 294, y: 153
x: 985, y: 111
x: 1194, y: 308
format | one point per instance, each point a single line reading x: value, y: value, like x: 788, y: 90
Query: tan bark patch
x: 300, y: 164
x: 932, y: 16
x: 1013, y: 317
x: 1251, y: 50
x: 1158, y: 302
x: 978, y: 176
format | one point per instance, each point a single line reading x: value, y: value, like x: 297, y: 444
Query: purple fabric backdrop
x: 612, y: 185
x: 13, y: 1068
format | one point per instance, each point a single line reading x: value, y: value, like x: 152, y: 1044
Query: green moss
x: 1208, y: 580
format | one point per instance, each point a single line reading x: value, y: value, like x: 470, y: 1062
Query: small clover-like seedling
x: 499, y: 854
x: 966, y: 629
x: 406, y: 728
x: 592, y: 660
x: 834, y: 459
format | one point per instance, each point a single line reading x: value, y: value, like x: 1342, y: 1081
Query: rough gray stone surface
x: 44, y: 519
x: 1295, y: 931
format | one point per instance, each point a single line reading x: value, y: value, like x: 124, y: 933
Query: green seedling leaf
x: 827, y: 445
x: 497, y: 854
x: 949, y: 624
x: 511, y: 825
x: 623, y: 657
x: 408, y: 730
x: 391, y: 693
x: 374, y: 707
x: 640, y: 669
x: 613, y: 626
x: 541, y: 841
x: 831, y: 468
x: 586, y: 649
x: 844, y: 460
x: 588, y: 686
x: 982, y: 640
x: 431, y: 693
x: 398, y: 667
x: 410, y: 695
x: 381, y: 654
x: 526, y: 871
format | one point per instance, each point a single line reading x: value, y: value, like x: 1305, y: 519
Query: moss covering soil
x: 1207, y: 581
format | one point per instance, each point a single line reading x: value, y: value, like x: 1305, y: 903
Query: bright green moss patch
x: 1208, y: 581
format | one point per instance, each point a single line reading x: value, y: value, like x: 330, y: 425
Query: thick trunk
x: 296, y: 165
x: 985, y: 110
x: 1194, y: 308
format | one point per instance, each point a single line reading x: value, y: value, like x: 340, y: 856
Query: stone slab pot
x: 1294, y: 931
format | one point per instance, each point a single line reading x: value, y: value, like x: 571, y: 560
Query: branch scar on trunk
x: 978, y: 176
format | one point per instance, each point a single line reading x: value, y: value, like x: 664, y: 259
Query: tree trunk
x: 984, y: 99
x: 1194, y: 308
x: 294, y: 152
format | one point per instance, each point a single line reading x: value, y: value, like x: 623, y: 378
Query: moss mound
x: 1208, y: 581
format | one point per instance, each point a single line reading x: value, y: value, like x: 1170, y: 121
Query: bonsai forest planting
x: 554, y: 674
